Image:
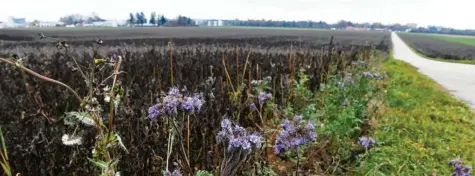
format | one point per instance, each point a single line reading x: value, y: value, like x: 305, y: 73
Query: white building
x: 215, y: 23
x: 16, y: 22
x: 49, y: 24
x: 109, y: 23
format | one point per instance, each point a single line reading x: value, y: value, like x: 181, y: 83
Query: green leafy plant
x: 4, y: 154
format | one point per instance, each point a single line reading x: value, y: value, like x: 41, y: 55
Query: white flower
x: 105, y: 89
x: 107, y: 98
x: 71, y: 140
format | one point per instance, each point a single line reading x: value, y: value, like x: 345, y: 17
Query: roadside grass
x: 422, y: 127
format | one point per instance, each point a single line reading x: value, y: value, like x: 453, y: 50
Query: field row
x: 439, y: 47
x: 256, y: 83
x: 88, y: 34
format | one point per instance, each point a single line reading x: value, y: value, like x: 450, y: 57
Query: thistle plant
x: 172, y: 105
x: 237, y: 144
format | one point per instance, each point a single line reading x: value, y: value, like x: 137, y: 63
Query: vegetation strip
x: 456, y: 39
x: 420, y: 128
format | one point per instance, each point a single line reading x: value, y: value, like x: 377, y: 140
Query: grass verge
x: 421, y: 127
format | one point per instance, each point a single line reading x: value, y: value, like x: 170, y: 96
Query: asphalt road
x: 458, y: 79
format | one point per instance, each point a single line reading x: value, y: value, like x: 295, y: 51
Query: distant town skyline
x: 422, y: 12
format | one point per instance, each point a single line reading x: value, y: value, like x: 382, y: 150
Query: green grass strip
x: 422, y: 129
x: 462, y: 40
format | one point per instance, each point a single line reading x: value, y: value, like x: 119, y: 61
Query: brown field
x: 206, y: 60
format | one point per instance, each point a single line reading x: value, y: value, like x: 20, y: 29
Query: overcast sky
x: 451, y: 13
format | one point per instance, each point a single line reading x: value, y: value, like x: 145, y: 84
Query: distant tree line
x: 139, y: 19
x: 312, y: 24
x: 79, y: 19
x: 444, y: 30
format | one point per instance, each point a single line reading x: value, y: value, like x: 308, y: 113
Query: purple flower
x: 237, y: 138
x: 310, y: 126
x: 455, y: 162
x: 293, y: 134
x: 256, y: 140
x: 459, y: 169
x: 174, y: 91
x: 239, y: 130
x: 225, y: 124
x: 252, y: 106
x: 198, y: 101
x: 375, y: 75
x: 366, y: 142
x: 193, y: 103
x: 221, y: 136
x: 245, y: 144
x: 297, y: 118
x: 235, y: 142
x: 286, y: 124
x: 173, y: 102
x: 368, y: 75
x: 154, y: 111
x: 239, y: 143
x: 263, y: 97
x: 174, y: 173
x: 312, y: 136
x: 187, y: 104
x: 279, y: 148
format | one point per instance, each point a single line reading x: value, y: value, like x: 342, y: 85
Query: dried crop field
x: 229, y: 69
x: 435, y: 47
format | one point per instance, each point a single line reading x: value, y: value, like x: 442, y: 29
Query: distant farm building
x: 215, y: 22
x: 16, y: 22
x: 109, y: 23
x: 49, y: 24
x: 352, y: 28
x: 200, y: 22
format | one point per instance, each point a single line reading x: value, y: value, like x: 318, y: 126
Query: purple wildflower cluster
x: 294, y: 133
x: 174, y: 173
x: 237, y: 137
x: 459, y: 169
x: 366, y: 142
x: 263, y: 97
x: 175, y: 101
x: 375, y: 75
